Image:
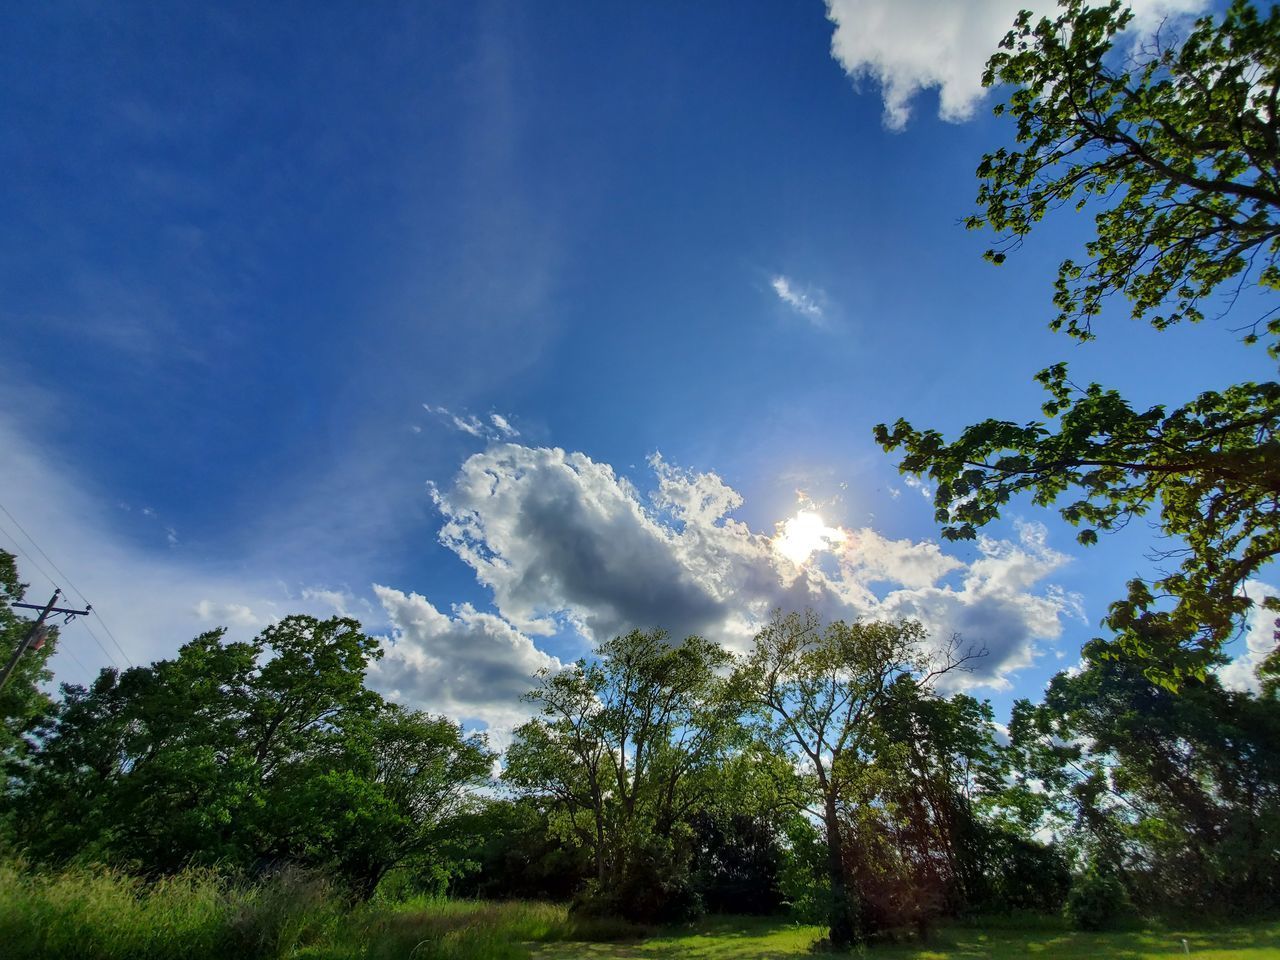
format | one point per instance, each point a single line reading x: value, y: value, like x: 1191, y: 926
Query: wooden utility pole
x: 33, y: 634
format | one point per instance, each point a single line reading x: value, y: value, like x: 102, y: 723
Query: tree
x: 1177, y: 793
x: 627, y: 746
x: 1178, y: 146
x: 818, y: 692
x: 949, y: 826
x: 245, y: 755
x: 403, y: 780
x: 22, y: 702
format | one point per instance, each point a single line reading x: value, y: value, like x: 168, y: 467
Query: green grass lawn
x: 743, y: 938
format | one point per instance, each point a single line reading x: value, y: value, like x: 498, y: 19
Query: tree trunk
x: 843, y: 934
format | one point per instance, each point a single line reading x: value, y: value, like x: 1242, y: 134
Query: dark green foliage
x: 1018, y: 874
x: 825, y: 694
x: 737, y: 860
x: 1177, y: 145
x: 245, y: 755
x: 1097, y: 901
x: 511, y: 851
x: 1179, y: 793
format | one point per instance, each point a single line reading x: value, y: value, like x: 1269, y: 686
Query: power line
x: 72, y: 585
x: 53, y: 583
x: 27, y: 557
x: 78, y: 662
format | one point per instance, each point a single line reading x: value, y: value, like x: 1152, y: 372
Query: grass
x: 751, y: 938
x: 94, y: 914
x: 99, y: 914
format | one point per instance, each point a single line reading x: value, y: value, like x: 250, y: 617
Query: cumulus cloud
x: 807, y: 304
x: 227, y: 614
x: 1260, y: 640
x: 470, y: 665
x: 908, y: 46
x: 562, y: 540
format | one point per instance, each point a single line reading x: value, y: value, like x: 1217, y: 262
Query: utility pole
x: 36, y: 630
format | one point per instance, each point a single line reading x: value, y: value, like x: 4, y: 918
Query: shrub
x: 1097, y: 901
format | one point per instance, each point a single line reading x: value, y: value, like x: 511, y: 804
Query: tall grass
x: 99, y: 914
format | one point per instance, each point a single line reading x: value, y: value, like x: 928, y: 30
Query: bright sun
x: 803, y: 534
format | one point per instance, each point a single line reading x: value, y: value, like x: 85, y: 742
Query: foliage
x: 803, y: 880
x: 1097, y: 901
x: 736, y: 862
x: 23, y: 702
x: 245, y: 755
x: 511, y: 849
x: 937, y: 828
x: 820, y: 692
x: 1178, y: 793
x: 626, y: 748
x: 1178, y: 144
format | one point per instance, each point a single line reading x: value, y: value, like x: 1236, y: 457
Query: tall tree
x: 819, y: 692
x: 1177, y: 147
x: 627, y: 745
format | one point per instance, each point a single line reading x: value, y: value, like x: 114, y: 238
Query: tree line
x: 823, y: 773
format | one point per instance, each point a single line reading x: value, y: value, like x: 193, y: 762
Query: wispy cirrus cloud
x: 493, y: 427
x: 807, y: 303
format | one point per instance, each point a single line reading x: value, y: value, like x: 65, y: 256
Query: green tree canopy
x: 1179, y: 793
x: 244, y: 754
x: 629, y: 746
x: 1177, y: 145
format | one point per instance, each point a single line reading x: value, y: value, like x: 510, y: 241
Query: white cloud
x: 503, y: 425
x: 1260, y: 640
x: 807, y: 304
x: 339, y: 601
x: 560, y: 539
x: 497, y: 427
x: 227, y: 614
x: 908, y: 46
x: 471, y: 665
x: 918, y: 485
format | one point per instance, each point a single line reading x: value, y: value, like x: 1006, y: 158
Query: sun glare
x: 803, y: 535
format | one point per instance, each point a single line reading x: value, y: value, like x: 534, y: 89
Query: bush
x: 1097, y: 901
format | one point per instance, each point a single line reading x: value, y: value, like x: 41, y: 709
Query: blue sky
x: 269, y: 273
